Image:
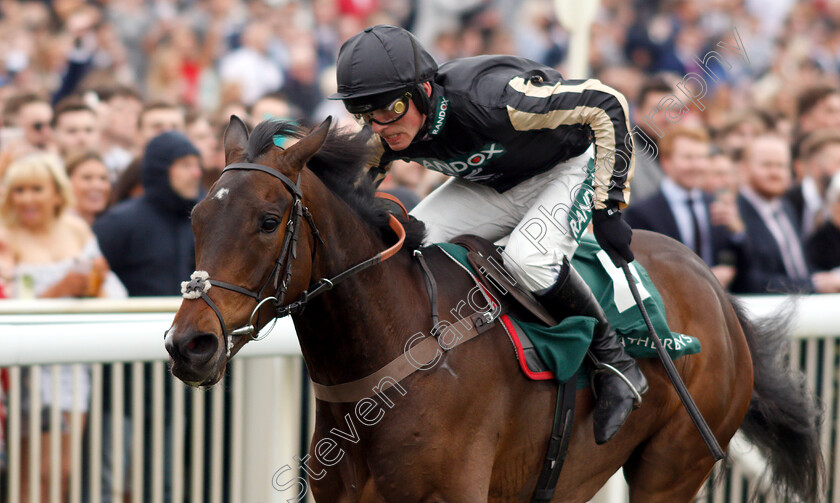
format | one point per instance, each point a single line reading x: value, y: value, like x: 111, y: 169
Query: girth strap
x: 558, y: 443
x: 417, y: 356
x: 431, y: 286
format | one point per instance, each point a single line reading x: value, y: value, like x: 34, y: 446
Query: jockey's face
x: 399, y: 134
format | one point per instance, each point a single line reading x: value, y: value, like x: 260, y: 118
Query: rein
x: 200, y: 282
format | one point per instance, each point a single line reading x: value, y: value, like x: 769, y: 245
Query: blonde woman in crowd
x: 89, y: 178
x: 54, y: 254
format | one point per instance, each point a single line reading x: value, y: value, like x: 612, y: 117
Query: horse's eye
x: 269, y: 224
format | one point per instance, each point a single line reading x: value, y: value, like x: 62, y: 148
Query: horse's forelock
x: 269, y: 134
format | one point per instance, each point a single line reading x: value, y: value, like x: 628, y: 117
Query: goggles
x: 388, y: 114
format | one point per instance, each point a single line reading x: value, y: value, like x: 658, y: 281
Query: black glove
x: 613, y: 234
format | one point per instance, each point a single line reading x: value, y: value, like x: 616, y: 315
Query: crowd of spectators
x: 743, y: 169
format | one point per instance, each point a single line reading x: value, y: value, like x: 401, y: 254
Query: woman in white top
x: 55, y: 254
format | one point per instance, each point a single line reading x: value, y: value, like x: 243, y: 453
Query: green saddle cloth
x: 563, y: 347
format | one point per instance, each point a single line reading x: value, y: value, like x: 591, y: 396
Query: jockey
x: 518, y: 141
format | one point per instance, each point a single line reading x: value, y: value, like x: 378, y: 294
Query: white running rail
x: 235, y: 438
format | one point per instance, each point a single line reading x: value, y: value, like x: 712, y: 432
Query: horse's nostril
x: 199, y: 347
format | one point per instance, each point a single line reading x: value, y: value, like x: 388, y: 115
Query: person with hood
x: 148, y: 240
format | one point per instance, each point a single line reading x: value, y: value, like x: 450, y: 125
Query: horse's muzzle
x: 194, y: 356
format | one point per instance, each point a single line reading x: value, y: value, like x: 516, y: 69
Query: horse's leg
x: 673, y: 463
x: 329, y: 484
x: 655, y: 484
x: 454, y: 469
x: 468, y: 480
x: 671, y: 466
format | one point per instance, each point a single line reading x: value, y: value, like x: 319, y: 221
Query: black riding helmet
x: 379, y: 65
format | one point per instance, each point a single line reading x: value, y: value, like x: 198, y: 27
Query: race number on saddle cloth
x: 561, y: 349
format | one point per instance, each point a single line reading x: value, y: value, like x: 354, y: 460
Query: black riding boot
x: 619, y: 383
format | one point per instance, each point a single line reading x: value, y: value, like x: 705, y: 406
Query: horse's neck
x: 356, y: 328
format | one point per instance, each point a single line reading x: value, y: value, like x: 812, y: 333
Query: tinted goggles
x: 388, y: 114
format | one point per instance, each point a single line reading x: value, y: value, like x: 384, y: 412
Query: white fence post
x: 271, y: 399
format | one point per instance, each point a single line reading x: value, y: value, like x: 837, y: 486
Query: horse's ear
x: 303, y: 150
x: 236, y: 138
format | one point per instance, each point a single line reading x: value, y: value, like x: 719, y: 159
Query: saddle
x: 486, y: 258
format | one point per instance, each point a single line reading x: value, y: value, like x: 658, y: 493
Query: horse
x: 279, y: 223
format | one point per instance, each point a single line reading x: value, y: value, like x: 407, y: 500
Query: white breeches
x: 544, y: 217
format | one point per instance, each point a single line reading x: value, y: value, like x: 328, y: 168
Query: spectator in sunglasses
x: 32, y: 115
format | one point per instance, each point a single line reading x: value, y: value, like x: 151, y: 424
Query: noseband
x: 200, y: 282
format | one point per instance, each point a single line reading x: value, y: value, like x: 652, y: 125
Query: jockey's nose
x: 376, y: 127
x: 196, y: 348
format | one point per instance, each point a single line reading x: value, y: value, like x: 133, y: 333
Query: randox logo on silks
x: 441, y: 112
x: 584, y: 196
x: 466, y: 166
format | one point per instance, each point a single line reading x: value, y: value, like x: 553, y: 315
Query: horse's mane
x: 341, y: 165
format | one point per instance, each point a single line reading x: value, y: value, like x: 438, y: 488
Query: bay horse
x: 472, y: 428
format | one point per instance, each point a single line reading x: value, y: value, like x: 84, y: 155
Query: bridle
x: 200, y: 282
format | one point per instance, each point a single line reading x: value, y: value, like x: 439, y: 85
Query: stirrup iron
x: 606, y: 367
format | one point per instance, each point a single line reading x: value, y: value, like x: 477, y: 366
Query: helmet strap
x: 421, y: 99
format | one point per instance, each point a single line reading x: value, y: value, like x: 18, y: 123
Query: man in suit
x: 820, y: 158
x: 651, y: 125
x: 822, y: 250
x: 817, y: 109
x: 681, y: 210
x: 777, y: 260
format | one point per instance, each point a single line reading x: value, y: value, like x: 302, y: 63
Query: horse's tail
x: 783, y: 418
